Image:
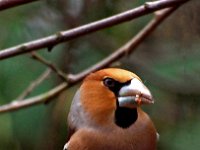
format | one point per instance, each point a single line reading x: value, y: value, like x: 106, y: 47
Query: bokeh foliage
x: 168, y: 62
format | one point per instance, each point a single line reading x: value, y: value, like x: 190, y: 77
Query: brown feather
x: 140, y: 136
x: 91, y: 118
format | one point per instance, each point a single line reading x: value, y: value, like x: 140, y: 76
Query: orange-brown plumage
x: 98, y: 120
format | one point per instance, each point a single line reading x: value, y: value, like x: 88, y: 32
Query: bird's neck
x: 124, y: 117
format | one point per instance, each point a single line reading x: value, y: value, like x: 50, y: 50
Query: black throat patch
x: 125, y: 117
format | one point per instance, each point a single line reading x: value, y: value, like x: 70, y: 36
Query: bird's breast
x: 139, y: 136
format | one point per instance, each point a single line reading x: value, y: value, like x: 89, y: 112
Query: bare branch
x: 61, y: 74
x: 5, y: 4
x: 34, y: 84
x: 129, y: 47
x: 15, y: 105
x: 50, y: 41
x: 73, y: 79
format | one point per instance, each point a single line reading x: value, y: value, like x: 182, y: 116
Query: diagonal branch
x: 61, y: 74
x: 5, y: 4
x: 130, y: 46
x: 73, y: 79
x: 34, y: 84
x: 42, y: 98
x: 51, y: 41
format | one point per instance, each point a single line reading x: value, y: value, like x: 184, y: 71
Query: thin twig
x: 5, y: 4
x: 129, y: 47
x: 73, y: 79
x: 41, y: 59
x: 42, y: 98
x: 34, y: 84
x: 50, y: 41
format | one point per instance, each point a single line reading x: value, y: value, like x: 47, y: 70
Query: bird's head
x: 113, y: 95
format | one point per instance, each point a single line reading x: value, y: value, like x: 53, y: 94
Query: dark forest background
x: 168, y: 61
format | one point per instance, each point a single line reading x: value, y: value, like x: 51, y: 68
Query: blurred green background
x: 168, y: 61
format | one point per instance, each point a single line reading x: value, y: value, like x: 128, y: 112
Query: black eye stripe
x: 127, y: 82
x: 114, y: 85
x: 109, y: 82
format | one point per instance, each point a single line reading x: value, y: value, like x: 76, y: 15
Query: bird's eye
x: 109, y: 82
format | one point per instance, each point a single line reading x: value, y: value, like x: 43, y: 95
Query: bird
x: 106, y: 113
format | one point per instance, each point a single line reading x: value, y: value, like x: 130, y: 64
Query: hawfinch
x: 105, y: 113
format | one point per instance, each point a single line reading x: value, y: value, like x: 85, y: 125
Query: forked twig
x: 128, y: 48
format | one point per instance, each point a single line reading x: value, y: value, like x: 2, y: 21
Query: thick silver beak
x: 134, y: 94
